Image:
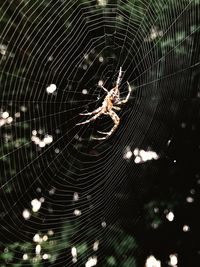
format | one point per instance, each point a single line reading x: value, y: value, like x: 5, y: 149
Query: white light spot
x: 5, y: 115
x: 136, y: 152
x: 36, y: 238
x: 143, y: 156
x: 170, y: 216
x: 50, y: 210
x: 128, y: 153
x: 186, y: 228
x: 51, y: 88
x: 77, y: 212
x: 154, y: 225
x: 74, y: 260
x: 183, y: 125
x: 100, y: 83
x: 168, y: 143
x: 25, y: 257
x: 96, y: 245
x: 102, y: 2
x: 190, y: 199
x: 76, y: 196
x: 173, y: 260
x: 42, y: 144
x: 156, y: 210
x: 86, y: 56
x: 85, y: 67
x: 42, y: 199
x: 45, y: 238
x: 45, y: 256
x: 74, y: 252
x: 35, y: 139
x: 52, y: 191
x: 147, y: 155
x: 152, y: 262
x: 154, y: 33
x: 92, y: 261
x: 103, y: 224
x: 3, y: 49
x: 17, y: 114
x: 50, y: 58
x: 100, y: 59
x: 26, y: 214
x: 37, y: 249
x: 192, y: 191
x: 84, y: 91
x: 2, y: 122
x: 23, y: 109
x: 48, y: 139
x: 57, y: 131
x: 9, y: 120
x: 34, y: 132
x: 57, y: 150
x: 50, y: 232
x: 36, y: 204
x: 40, y: 131
x: 137, y: 159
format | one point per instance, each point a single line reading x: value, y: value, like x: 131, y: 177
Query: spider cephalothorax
x: 111, y: 101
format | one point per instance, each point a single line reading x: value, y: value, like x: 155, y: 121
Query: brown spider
x: 110, y: 101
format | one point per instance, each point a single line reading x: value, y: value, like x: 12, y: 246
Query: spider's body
x: 111, y: 101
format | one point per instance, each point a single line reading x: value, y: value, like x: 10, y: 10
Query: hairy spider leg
x: 91, y: 119
x: 127, y: 97
x: 92, y: 112
x: 119, y: 77
x: 116, y: 108
x: 116, y: 121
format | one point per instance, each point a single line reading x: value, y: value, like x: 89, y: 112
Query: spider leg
x: 104, y: 88
x: 116, y: 108
x: 116, y: 121
x: 127, y: 97
x: 91, y: 119
x: 100, y: 138
x: 92, y: 112
x: 119, y: 77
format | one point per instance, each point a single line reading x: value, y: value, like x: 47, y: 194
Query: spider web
x: 59, y: 187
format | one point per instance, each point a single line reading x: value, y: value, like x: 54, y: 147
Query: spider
x: 110, y: 103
